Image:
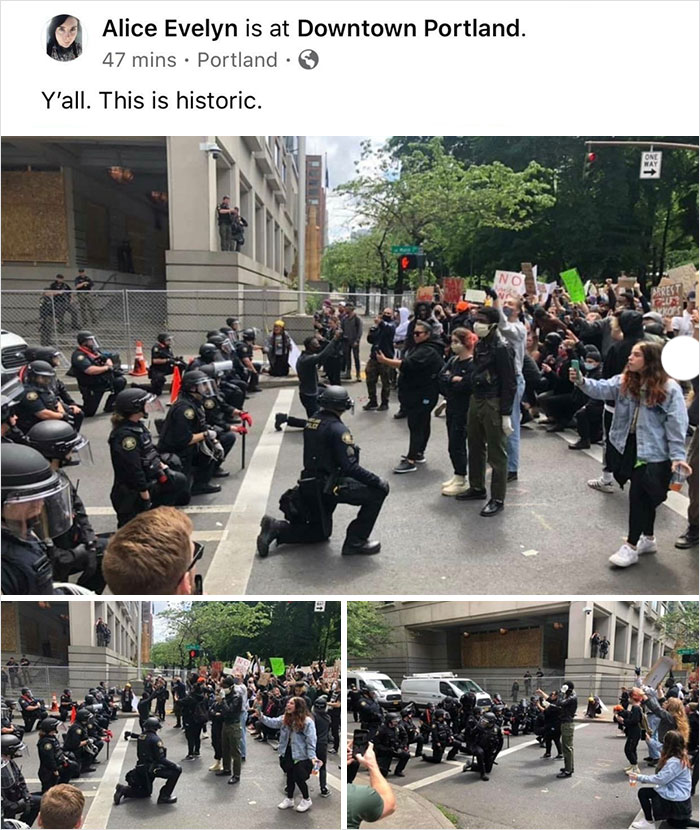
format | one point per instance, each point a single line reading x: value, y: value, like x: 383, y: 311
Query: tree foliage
x: 368, y: 630
x: 224, y: 630
x: 681, y: 624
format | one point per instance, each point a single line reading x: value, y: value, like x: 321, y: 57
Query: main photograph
x: 171, y: 714
x: 321, y: 364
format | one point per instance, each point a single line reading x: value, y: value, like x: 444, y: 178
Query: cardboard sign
x: 658, y: 671
x: 574, y: 286
x: 687, y: 275
x: 530, y: 279
x: 264, y: 679
x: 474, y: 295
x: 293, y: 355
x: 667, y: 300
x: 241, y: 665
x: 452, y: 288
x: 625, y: 283
x: 508, y: 284
x: 424, y: 293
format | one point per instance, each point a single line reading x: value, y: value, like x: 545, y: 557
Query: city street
x: 555, y: 533
x: 204, y: 800
x: 523, y: 790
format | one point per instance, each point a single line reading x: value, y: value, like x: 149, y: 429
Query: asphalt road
x: 204, y: 800
x: 554, y: 536
x: 524, y: 792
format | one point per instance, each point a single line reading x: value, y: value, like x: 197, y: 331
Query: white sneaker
x: 602, y: 486
x: 448, y: 482
x: 643, y: 824
x: 624, y: 557
x: 286, y: 804
x: 303, y: 805
x: 458, y: 486
x: 216, y: 766
x: 647, y: 544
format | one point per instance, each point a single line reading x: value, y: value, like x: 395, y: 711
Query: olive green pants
x: 231, y: 747
x: 567, y: 743
x: 486, y: 439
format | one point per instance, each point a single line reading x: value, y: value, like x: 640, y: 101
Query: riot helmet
x: 87, y: 338
x: 208, y: 352
x: 47, y: 353
x: 152, y: 725
x: 408, y: 710
x: 130, y: 401
x: 59, y: 440
x: 12, y: 746
x: 165, y: 338
x: 35, y: 499
x: 83, y: 715
x: 391, y: 718
x: 335, y: 398
x: 248, y: 335
x: 195, y: 382
x: 440, y: 713
x: 48, y: 725
x: 41, y: 373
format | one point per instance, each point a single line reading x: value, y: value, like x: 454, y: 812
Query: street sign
x: 406, y: 249
x: 650, y: 165
x: 320, y: 605
x: 686, y: 651
x: 193, y: 648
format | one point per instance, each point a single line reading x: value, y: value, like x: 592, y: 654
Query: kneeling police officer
x: 17, y: 801
x: 332, y: 475
x: 151, y: 763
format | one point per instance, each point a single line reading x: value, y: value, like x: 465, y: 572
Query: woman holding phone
x: 647, y: 438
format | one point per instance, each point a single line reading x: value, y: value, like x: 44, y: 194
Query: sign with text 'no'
x: 508, y: 284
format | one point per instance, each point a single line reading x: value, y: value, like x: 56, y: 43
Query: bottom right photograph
x: 522, y: 714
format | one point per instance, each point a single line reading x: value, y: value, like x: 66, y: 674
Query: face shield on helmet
x: 205, y: 388
x: 44, y: 510
x: 8, y: 777
x: 79, y: 453
x: 153, y: 404
x: 92, y: 343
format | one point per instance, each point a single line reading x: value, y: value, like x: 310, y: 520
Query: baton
x: 243, y: 451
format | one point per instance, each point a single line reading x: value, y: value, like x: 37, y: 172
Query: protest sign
x: 625, y: 283
x: 530, y: 279
x: 508, y: 284
x: 474, y: 295
x: 574, y: 286
x: 241, y: 665
x: 452, y: 288
x: 424, y: 293
x: 658, y: 671
x: 277, y: 665
x: 264, y: 679
x: 667, y: 300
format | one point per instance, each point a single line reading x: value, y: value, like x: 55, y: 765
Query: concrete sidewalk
x: 412, y: 810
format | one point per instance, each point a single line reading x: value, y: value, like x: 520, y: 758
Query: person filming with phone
x: 370, y: 803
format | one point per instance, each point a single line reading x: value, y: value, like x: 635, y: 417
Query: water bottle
x: 316, y: 767
x: 677, y: 480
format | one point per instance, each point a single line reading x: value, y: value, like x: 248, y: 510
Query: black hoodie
x: 632, y: 327
x: 418, y: 376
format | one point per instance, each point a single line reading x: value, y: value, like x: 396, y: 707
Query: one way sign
x: 650, y: 166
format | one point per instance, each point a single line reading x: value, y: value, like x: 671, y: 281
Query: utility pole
x: 138, y: 641
x: 301, y: 221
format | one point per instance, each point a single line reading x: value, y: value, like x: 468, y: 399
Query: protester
x: 632, y: 720
x: 277, y: 347
x: 370, y: 803
x: 62, y: 807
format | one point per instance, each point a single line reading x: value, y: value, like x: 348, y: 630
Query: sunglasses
x: 198, y: 554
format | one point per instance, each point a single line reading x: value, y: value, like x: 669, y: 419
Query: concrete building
x: 141, y: 211
x: 496, y: 643
x: 60, y: 641
x: 316, y: 216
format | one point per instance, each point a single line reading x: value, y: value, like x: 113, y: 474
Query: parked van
x: 422, y: 689
x: 388, y: 693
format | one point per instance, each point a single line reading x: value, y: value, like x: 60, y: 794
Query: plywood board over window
x: 491, y: 649
x: 34, y: 217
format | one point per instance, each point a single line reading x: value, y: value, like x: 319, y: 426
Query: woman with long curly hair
x: 297, y: 749
x: 668, y: 797
x: 671, y: 715
x: 647, y: 438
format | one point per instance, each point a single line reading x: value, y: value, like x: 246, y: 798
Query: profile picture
x: 64, y: 38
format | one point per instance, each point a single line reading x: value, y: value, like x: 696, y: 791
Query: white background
x: 594, y: 68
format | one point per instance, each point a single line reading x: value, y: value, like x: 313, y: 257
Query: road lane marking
x: 98, y: 815
x: 448, y: 773
x: 233, y: 560
x: 190, y: 508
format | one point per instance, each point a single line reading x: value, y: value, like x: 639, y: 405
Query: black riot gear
x: 208, y: 352
x: 131, y: 401
x: 248, y: 334
x: 335, y: 398
x: 12, y: 745
x: 41, y: 373
x: 57, y: 439
x: 151, y: 763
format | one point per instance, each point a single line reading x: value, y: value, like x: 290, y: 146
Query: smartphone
x: 198, y: 584
x: 576, y: 366
x: 360, y: 742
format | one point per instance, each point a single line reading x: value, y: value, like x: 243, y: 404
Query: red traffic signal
x: 405, y: 262
x: 193, y: 654
x: 591, y: 157
x: 409, y: 262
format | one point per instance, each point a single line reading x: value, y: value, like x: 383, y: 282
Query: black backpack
x: 200, y: 714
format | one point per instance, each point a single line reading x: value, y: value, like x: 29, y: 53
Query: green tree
x: 368, y: 629
x: 168, y: 653
x: 681, y: 624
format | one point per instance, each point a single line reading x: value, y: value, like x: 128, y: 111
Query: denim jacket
x: 661, y: 429
x: 673, y: 782
x: 303, y: 743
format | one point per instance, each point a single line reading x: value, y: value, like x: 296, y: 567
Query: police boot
x: 367, y: 547
x: 269, y: 531
x: 204, y: 489
x: 280, y: 418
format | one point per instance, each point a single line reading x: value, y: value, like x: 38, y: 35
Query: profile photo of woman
x: 64, y: 38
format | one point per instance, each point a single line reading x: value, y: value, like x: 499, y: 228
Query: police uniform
x: 65, y: 707
x: 76, y: 734
x: 17, y: 801
x: 26, y: 567
x: 486, y: 743
x: 157, y: 372
x: 412, y: 735
x: 34, y: 399
x: 151, y: 763
x: 244, y: 350
x: 217, y: 414
x: 186, y: 418
x: 331, y: 458
x: 389, y: 743
x: 93, y: 387
x: 55, y: 767
x: 441, y: 739
x: 370, y: 715
x: 30, y: 717
x: 138, y: 467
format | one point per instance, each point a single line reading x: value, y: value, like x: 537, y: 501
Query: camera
x: 211, y: 148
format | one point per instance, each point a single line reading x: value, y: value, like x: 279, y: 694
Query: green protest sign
x: 277, y: 665
x: 574, y: 286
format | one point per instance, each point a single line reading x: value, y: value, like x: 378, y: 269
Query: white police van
x: 388, y: 693
x: 434, y: 687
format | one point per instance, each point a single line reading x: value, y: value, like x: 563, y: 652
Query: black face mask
x: 387, y: 318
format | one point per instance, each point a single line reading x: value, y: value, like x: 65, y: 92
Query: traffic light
x: 409, y: 262
x: 193, y: 653
x: 588, y: 163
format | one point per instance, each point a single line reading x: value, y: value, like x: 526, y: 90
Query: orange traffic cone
x: 140, y: 369
x: 175, y: 385
x: 54, y: 703
x: 73, y: 713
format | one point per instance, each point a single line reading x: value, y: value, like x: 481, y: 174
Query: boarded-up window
x: 34, y: 217
x: 491, y: 649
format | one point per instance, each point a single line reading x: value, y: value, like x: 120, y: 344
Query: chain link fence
x: 120, y: 318
x: 46, y: 681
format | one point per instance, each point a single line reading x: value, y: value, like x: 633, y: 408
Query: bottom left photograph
x: 171, y: 714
